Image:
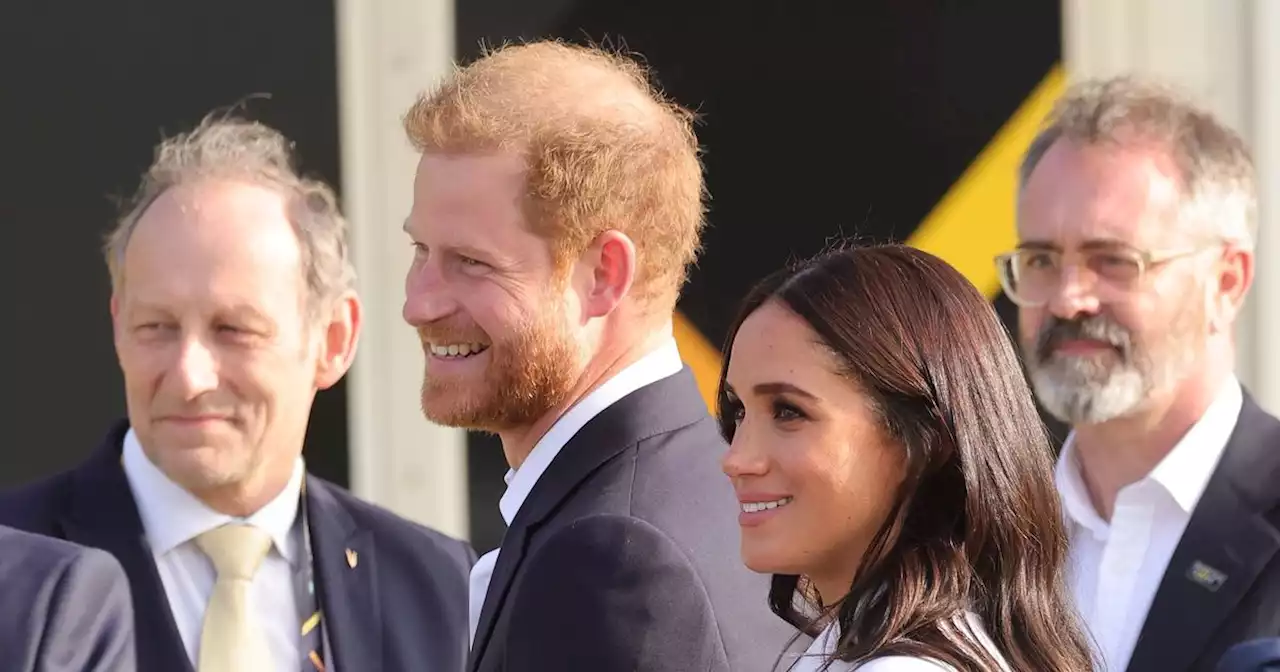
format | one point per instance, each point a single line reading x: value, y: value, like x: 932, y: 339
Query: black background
x: 89, y: 89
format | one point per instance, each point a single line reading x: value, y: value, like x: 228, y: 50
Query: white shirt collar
x: 171, y: 516
x: 662, y: 362
x: 1183, y: 473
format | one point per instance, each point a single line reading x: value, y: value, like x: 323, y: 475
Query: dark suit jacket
x: 1259, y: 655
x: 402, y: 607
x: 63, y: 607
x: 1222, y: 586
x: 625, y: 555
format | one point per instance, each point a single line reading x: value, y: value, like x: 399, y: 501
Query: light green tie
x: 231, y: 639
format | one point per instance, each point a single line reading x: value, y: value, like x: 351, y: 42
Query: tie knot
x: 236, y: 550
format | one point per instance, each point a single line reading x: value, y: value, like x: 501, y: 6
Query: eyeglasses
x: 1031, y: 275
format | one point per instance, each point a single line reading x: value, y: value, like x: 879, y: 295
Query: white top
x: 662, y: 362
x: 824, y: 645
x: 172, y: 518
x: 1116, y: 566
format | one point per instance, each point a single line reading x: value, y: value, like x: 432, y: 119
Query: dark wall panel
x: 89, y: 88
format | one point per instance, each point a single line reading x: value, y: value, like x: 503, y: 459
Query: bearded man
x: 557, y: 206
x: 1136, y: 224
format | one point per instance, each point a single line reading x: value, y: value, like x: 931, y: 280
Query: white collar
x: 172, y: 516
x: 970, y: 628
x: 662, y: 362
x: 1183, y: 473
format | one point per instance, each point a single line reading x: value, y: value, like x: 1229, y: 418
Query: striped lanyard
x: 309, y: 602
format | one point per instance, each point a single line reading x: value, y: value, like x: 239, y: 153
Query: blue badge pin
x: 1207, y: 577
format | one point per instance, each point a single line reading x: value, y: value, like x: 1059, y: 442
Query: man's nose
x: 1074, y: 295
x: 196, y: 369
x: 427, y: 295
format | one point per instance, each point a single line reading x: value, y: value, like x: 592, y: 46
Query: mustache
x: 446, y: 333
x: 1086, y: 328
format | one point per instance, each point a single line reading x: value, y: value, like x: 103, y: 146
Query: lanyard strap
x: 310, y: 615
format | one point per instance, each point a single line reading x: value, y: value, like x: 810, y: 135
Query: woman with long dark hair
x: 893, y: 473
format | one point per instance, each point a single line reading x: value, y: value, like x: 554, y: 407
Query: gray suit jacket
x: 63, y: 607
x: 625, y: 556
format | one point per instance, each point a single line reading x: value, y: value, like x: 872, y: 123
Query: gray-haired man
x: 1136, y: 222
x: 232, y: 307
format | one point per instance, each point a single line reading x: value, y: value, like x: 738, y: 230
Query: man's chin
x: 449, y: 409
x: 1078, y: 402
x: 202, y: 469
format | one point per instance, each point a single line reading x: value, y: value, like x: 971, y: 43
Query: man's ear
x: 611, y: 263
x: 1229, y: 286
x: 340, y: 335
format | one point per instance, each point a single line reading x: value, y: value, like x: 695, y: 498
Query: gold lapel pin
x: 352, y: 558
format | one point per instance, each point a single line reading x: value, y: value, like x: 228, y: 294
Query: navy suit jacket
x: 1259, y: 655
x: 403, y: 606
x: 625, y: 555
x: 63, y: 607
x: 1222, y: 586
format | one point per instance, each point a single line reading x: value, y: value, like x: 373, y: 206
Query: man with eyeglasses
x: 1136, y: 221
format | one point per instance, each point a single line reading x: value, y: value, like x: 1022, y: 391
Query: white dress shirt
x: 173, y: 518
x: 825, y: 643
x: 661, y: 363
x: 1116, y: 567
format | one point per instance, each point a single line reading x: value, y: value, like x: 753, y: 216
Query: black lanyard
x: 310, y: 613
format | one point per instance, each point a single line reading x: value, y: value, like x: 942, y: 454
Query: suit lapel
x: 345, y: 562
x: 660, y: 407
x: 514, y: 543
x: 1226, y: 545
x: 101, y: 513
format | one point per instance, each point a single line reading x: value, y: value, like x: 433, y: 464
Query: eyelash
x: 420, y: 249
x: 782, y: 411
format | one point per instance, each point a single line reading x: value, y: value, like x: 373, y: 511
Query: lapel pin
x: 1207, y: 577
x: 353, y: 558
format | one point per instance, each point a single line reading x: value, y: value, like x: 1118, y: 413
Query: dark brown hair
x: 976, y: 525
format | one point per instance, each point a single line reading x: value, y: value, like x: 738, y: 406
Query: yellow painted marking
x: 975, y: 220
x: 701, y: 356
x: 972, y: 223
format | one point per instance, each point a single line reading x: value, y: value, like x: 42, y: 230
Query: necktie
x: 230, y: 641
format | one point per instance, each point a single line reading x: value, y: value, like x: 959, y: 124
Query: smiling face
x: 219, y: 357
x: 499, y: 325
x: 811, y: 465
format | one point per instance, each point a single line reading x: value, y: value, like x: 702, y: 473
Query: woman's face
x: 813, y: 471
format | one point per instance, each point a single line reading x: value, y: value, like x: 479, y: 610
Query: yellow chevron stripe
x: 972, y: 223
x: 701, y: 356
x: 975, y: 220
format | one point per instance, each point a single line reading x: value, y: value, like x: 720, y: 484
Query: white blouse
x: 825, y: 644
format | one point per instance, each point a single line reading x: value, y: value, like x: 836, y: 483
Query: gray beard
x: 1089, y: 391
x: 1081, y: 391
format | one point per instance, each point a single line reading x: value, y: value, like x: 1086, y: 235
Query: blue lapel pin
x: 1207, y: 577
